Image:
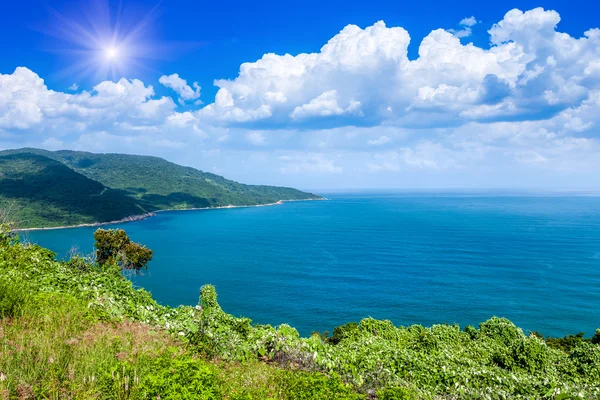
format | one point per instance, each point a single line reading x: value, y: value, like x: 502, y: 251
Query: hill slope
x: 43, y: 192
x: 139, y: 184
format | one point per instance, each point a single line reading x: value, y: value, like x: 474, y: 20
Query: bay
x: 413, y: 258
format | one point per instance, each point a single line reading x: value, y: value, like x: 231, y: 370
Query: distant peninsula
x: 48, y: 189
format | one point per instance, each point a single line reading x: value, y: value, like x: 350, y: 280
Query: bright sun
x: 111, y: 53
x: 109, y: 44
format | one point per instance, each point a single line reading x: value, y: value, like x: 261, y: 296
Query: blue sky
x: 437, y: 95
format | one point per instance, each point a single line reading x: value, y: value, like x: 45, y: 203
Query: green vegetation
x: 570, y: 342
x: 79, y: 329
x: 43, y: 192
x: 115, y: 247
x: 137, y: 184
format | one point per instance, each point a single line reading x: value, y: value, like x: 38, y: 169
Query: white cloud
x: 466, y: 25
x: 312, y: 163
x: 26, y: 104
x: 180, y: 86
x: 286, y: 85
x: 424, y: 155
x: 530, y: 157
x: 224, y: 98
x: 256, y: 138
x: 363, y: 76
x: 105, y: 142
x: 180, y: 120
x: 21, y: 94
x: 470, y: 21
x: 530, y: 70
x: 53, y: 144
x: 325, y: 105
x: 381, y: 140
x: 74, y: 87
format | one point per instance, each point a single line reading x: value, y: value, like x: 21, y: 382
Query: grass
x: 57, y: 348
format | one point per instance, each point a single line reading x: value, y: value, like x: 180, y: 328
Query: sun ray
x: 106, y: 43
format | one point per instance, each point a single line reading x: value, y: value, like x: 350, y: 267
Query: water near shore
x: 410, y: 257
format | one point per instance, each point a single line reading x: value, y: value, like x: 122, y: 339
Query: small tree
x: 115, y: 247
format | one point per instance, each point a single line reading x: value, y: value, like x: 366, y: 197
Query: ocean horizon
x: 413, y: 257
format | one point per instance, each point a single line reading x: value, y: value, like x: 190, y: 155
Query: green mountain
x: 42, y: 192
x: 55, y: 188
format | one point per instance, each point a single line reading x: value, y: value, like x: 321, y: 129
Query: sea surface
x: 412, y: 258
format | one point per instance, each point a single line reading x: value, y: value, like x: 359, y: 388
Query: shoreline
x: 140, y: 217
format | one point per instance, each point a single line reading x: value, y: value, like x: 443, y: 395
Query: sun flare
x: 107, y: 43
x: 111, y: 53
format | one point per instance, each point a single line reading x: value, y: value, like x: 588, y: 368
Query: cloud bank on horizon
x: 522, y: 113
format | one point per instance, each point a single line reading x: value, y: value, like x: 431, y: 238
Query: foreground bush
x: 113, y: 246
x: 80, y: 330
x: 495, y: 361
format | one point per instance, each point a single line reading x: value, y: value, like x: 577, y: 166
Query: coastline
x: 140, y: 217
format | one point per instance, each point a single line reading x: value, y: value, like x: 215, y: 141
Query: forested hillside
x: 39, y: 192
x: 160, y: 184
x: 67, y: 190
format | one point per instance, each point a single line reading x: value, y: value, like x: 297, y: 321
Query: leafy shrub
x: 300, y: 385
x: 218, y: 333
x: 566, y: 343
x: 181, y: 378
x: 530, y: 354
x: 384, y: 329
x: 81, y: 264
x: 115, y: 247
x: 342, y: 332
x: 397, y: 393
x: 501, y: 330
x: 471, y: 331
x: 586, y: 357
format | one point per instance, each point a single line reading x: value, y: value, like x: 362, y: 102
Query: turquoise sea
x: 413, y: 258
